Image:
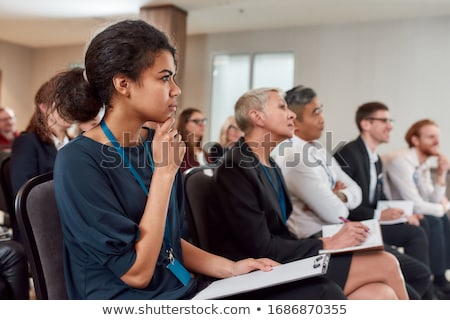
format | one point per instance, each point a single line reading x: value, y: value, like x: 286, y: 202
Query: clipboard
x: 406, y: 205
x: 283, y: 273
x: 374, y: 241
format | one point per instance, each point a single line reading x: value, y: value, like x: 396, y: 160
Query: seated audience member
x: 307, y: 166
x: 360, y: 160
x: 229, y: 134
x: 8, y: 131
x: 191, y: 126
x: 122, y: 238
x: 14, y: 281
x: 34, y: 151
x: 252, y: 205
x: 408, y: 173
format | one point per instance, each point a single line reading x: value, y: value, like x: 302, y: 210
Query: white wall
x: 16, y: 63
x: 24, y: 70
x: 196, y: 86
x: 48, y: 61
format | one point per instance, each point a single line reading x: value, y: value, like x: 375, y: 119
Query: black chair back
x: 6, y: 185
x: 40, y: 228
x: 198, y: 188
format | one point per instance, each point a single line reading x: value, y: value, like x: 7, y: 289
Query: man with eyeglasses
x: 360, y: 160
x: 8, y: 131
x: 408, y: 173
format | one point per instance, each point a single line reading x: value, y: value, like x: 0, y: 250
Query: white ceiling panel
x: 44, y: 23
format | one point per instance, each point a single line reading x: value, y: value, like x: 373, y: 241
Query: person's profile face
x: 233, y: 133
x: 310, y: 126
x: 154, y: 95
x: 7, y: 121
x: 380, y: 126
x: 428, y: 141
x: 277, y: 118
x: 196, y: 124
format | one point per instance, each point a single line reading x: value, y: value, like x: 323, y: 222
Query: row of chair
x: 33, y: 212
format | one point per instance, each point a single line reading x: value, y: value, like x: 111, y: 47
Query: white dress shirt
x: 410, y: 180
x: 59, y: 144
x: 373, y: 158
x: 311, y: 173
x: 201, y: 158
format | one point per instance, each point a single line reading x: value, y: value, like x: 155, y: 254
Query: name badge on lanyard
x: 174, y: 265
x: 178, y: 269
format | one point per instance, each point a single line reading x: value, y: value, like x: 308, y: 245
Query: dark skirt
x: 339, y: 267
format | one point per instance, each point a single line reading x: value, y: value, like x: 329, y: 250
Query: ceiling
x: 46, y: 23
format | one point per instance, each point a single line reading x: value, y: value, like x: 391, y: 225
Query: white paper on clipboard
x: 283, y: 273
x: 406, y: 205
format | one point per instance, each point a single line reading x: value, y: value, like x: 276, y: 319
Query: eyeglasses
x: 198, y: 121
x: 384, y: 120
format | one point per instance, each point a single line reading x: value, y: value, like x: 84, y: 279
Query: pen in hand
x: 345, y: 220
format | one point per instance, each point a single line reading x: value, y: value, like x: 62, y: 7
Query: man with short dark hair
x: 360, y: 161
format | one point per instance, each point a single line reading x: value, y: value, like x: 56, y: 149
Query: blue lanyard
x: 279, y: 191
x: 416, y: 177
x: 315, y: 154
x: 174, y: 265
x: 133, y: 171
x: 329, y: 173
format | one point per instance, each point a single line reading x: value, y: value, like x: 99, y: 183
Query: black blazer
x: 245, y: 217
x: 30, y: 157
x: 354, y: 160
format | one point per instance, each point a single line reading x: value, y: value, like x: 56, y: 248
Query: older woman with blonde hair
x: 229, y: 134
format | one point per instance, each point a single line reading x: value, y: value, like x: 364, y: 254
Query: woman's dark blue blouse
x: 100, y: 204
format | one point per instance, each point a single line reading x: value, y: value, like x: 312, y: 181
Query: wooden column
x: 172, y: 21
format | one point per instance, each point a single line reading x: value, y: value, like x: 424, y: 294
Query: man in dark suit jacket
x: 360, y: 161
